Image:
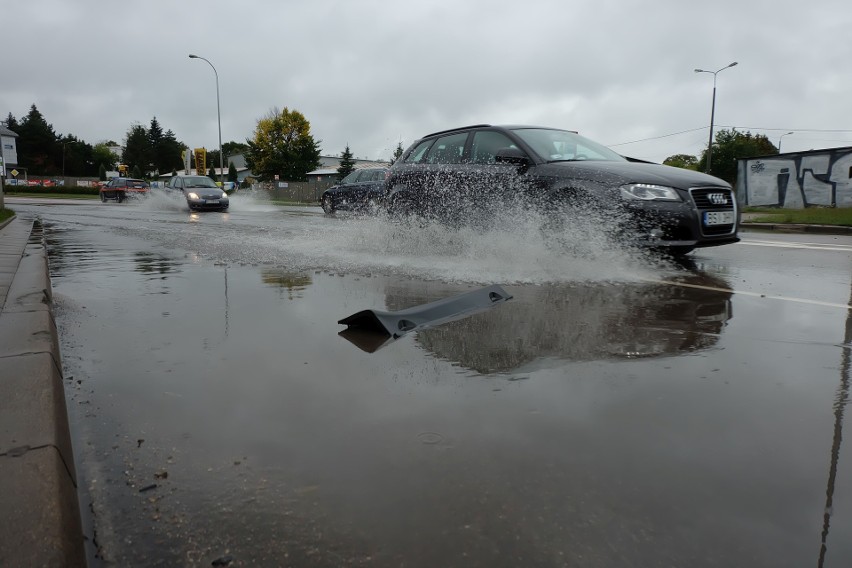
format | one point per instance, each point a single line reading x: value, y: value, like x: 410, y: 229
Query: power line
x: 793, y: 129
x: 658, y: 137
x: 735, y: 127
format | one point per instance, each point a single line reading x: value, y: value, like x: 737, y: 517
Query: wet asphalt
x: 617, y: 411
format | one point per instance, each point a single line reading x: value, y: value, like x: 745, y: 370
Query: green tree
x: 685, y: 161
x: 397, y: 154
x: 232, y: 173
x: 282, y: 144
x: 137, y: 148
x: 102, y: 172
x: 136, y: 172
x: 731, y: 145
x: 170, y: 154
x: 347, y: 164
x: 37, y: 144
x: 75, y: 157
x: 102, y: 155
x: 233, y: 148
x: 211, y: 173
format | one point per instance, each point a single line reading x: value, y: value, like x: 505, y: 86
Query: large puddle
x: 598, y: 418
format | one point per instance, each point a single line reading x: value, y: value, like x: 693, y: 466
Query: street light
x: 219, y: 118
x: 712, y: 112
x: 782, y: 138
x: 63, y: 157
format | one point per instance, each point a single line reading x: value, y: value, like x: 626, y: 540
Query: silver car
x: 201, y: 192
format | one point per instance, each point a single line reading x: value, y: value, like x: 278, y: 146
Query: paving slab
x: 34, y: 411
x: 40, y: 512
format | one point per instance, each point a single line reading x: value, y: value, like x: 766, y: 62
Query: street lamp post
x: 782, y: 138
x: 712, y: 112
x: 218, y: 118
x: 63, y: 157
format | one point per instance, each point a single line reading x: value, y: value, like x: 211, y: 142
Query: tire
x: 327, y: 205
x: 119, y: 196
x: 103, y: 197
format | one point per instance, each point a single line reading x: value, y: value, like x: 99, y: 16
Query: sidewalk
x: 39, y: 509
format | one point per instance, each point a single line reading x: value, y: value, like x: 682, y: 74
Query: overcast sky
x: 370, y: 73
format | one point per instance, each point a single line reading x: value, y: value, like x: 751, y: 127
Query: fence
x: 297, y: 191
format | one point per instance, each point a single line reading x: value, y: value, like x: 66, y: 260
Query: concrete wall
x: 797, y: 180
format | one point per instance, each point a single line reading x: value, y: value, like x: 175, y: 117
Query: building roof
x: 6, y: 132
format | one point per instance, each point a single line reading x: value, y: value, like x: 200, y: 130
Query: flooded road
x: 617, y: 411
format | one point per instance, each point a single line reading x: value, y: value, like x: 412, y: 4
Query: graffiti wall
x: 795, y: 180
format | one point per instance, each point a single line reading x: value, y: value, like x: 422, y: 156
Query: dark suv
x: 477, y: 171
x: 359, y: 191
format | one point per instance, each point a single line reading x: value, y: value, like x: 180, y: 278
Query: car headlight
x: 224, y: 195
x: 649, y: 192
x: 192, y: 195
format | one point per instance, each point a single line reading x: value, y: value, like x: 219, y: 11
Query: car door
x: 493, y: 181
x: 442, y: 187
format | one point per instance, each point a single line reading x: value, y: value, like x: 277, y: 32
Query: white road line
x: 803, y: 246
x: 752, y: 294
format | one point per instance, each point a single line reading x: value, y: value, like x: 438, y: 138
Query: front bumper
x: 207, y: 204
x: 694, y: 222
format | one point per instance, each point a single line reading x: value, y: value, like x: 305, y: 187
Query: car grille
x: 714, y: 199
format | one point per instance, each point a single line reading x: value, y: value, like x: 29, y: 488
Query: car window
x: 447, y: 149
x: 376, y: 175
x: 485, y: 145
x: 199, y: 181
x: 351, y: 177
x: 418, y: 152
x: 563, y: 145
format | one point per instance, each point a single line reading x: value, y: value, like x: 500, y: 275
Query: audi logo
x: 717, y: 198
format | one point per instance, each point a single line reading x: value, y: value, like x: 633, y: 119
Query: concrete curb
x: 39, y: 507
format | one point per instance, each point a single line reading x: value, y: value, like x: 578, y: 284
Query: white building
x: 9, y: 147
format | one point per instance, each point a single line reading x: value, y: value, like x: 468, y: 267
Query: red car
x: 121, y: 188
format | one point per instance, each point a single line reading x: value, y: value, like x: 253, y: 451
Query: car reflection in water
x: 578, y: 322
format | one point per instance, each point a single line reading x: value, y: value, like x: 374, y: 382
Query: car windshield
x: 564, y: 146
x: 199, y: 181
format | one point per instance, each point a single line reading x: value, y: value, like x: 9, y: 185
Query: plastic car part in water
x: 372, y: 329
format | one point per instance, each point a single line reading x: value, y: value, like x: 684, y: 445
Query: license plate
x: 718, y: 218
x: 212, y: 202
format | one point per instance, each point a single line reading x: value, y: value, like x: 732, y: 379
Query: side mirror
x: 512, y: 156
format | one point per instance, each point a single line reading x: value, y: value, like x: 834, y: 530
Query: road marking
x: 752, y: 294
x: 803, y: 246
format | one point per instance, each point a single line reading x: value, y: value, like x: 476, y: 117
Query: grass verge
x: 811, y: 216
x: 5, y: 214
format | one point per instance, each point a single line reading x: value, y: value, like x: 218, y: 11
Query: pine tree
x: 397, y: 154
x: 347, y: 164
x: 232, y: 173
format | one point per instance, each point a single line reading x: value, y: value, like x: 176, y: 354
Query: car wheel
x: 327, y: 205
x: 119, y: 196
x: 103, y: 197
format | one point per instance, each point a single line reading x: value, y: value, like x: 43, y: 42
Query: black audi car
x: 471, y: 172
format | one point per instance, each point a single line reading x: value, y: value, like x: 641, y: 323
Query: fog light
x: 656, y: 233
